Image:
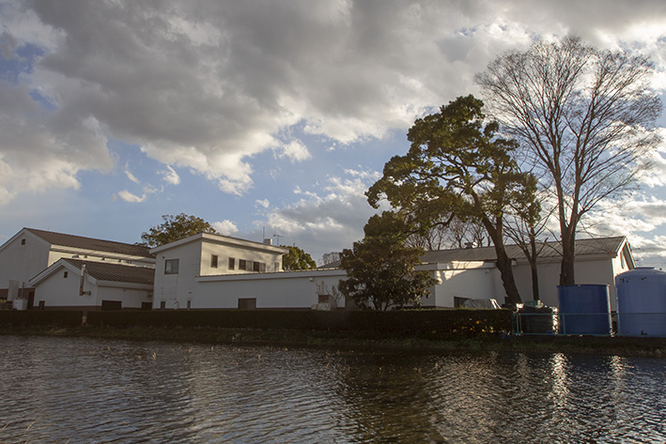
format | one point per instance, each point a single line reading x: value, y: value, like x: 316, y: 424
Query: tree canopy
x: 457, y: 167
x: 175, y: 228
x: 381, y: 268
x: 585, y: 119
x: 297, y: 259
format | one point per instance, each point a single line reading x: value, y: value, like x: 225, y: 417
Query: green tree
x: 457, y: 168
x: 297, y: 259
x: 175, y: 228
x: 381, y: 268
x: 585, y: 118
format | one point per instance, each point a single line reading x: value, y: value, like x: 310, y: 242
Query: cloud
x: 326, y: 220
x: 170, y: 176
x: 129, y: 197
x: 209, y: 85
x: 225, y: 227
x: 294, y: 150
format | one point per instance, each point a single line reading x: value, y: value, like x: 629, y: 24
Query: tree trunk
x: 503, y: 263
x: 535, y: 280
x: 533, y: 265
x: 567, y: 276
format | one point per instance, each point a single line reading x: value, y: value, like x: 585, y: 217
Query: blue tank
x: 641, y: 302
x: 584, y: 309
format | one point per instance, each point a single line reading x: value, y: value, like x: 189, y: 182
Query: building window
x: 276, y: 266
x: 232, y: 263
x: 65, y: 275
x: 242, y: 264
x: 22, y: 241
x: 171, y: 266
x: 259, y: 267
x: 189, y: 304
x: 247, y: 303
x: 162, y: 305
x: 213, y: 261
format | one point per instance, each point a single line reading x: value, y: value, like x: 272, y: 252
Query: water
x: 58, y: 390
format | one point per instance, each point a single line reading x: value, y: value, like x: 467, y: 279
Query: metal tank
x: 584, y: 309
x: 641, y: 302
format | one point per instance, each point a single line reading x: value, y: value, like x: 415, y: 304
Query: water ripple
x: 58, y: 390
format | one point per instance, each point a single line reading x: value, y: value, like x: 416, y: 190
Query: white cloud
x: 327, y: 221
x: 225, y: 227
x: 170, y: 176
x: 129, y: 197
x: 294, y: 150
x: 264, y: 203
x: 131, y: 176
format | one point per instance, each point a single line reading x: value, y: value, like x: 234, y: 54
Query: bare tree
x: 453, y: 233
x: 585, y: 117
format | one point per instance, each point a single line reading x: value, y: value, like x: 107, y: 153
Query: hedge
x: 421, y: 322
x: 64, y: 318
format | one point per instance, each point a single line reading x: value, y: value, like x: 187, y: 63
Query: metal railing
x: 590, y: 324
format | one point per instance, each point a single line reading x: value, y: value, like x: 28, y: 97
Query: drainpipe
x: 83, y: 278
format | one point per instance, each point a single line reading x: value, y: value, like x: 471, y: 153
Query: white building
x: 470, y: 273
x: 93, y: 285
x: 181, y: 264
x: 31, y: 251
x: 211, y: 271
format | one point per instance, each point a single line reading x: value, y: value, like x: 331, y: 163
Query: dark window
x: 247, y: 303
x: 162, y: 305
x: 65, y: 275
x: 232, y: 263
x: 171, y: 266
x: 213, y: 260
x: 112, y: 305
x: 242, y: 264
x: 189, y: 304
x: 22, y: 241
x: 259, y: 267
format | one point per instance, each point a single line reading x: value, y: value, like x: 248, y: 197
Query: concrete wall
x: 469, y: 280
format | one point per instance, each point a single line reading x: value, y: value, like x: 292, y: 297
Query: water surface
x: 82, y: 390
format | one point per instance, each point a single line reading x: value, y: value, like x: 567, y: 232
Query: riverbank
x: 622, y: 346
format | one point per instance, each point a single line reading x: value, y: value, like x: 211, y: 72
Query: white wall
x: 57, y: 291
x: 175, y: 288
x: 23, y: 262
x: 298, y: 289
x: 471, y: 280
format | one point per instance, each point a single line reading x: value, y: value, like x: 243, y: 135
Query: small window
x: 242, y: 264
x: 247, y: 303
x: 171, y: 266
x: 189, y: 305
x: 276, y: 266
x: 259, y: 267
x: 22, y: 241
x: 232, y: 263
x: 65, y: 274
x: 213, y: 260
x: 162, y: 305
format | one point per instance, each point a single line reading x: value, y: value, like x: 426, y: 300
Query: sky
x: 267, y: 119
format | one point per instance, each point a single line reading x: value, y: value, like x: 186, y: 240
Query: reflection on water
x: 85, y: 390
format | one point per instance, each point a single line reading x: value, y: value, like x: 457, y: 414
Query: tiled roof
x: 584, y: 247
x: 87, y: 243
x: 105, y: 271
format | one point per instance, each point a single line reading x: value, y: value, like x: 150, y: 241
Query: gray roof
x: 87, y: 243
x: 105, y: 271
x: 609, y: 246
